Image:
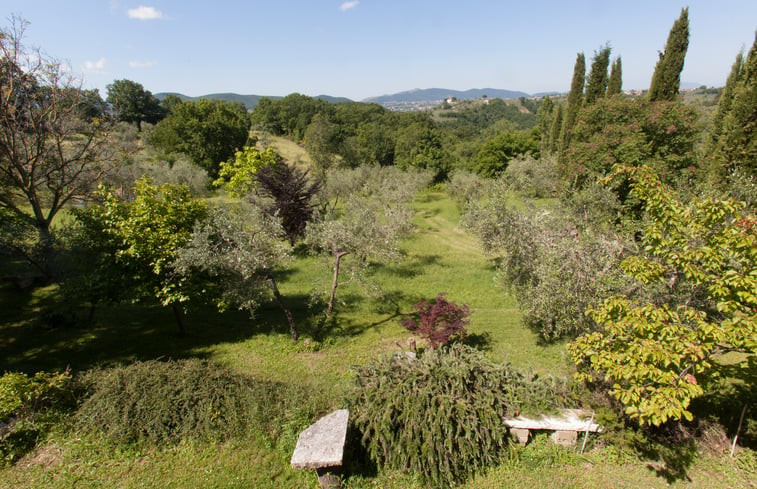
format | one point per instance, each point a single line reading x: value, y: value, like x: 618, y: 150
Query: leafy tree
x: 632, y: 132
x: 615, y: 84
x: 659, y: 355
x: 208, y: 131
x: 496, y: 153
x: 322, y: 141
x: 596, y: 82
x: 420, y: 146
x: 372, y: 215
x: 52, y: 149
x: 375, y: 144
x: 143, y: 237
x: 289, y: 116
x: 666, y: 80
x: 241, y: 252
x: 169, y: 102
x: 439, y: 322
x: 132, y: 103
x: 575, y: 100
x: 282, y: 190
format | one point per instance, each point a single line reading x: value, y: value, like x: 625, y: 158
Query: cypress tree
x: 666, y: 80
x: 545, y: 115
x: 726, y: 99
x: 615, y: 85
x: 596, y: 82
x: 739, y: 138
x: 554, y: 130
x: 575, y: 99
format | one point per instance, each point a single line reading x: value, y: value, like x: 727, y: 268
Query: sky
x: 365, y: 48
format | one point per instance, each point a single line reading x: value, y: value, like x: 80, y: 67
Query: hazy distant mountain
x: 249, y: 101
x: 433, y: 94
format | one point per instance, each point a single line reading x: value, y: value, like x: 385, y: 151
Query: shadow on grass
x: 120, y: 333
x: 410, y: 267
x: 673, y: 461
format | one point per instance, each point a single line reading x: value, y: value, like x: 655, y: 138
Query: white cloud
x: 145, y: 13
x: 348, y: 5
x: 94, y: 66
x: 142, y: 64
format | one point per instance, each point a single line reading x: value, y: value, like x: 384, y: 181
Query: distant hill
x: 249, y: 101
x: 433, y: 94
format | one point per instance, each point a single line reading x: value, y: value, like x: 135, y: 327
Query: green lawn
x: 440, y: 257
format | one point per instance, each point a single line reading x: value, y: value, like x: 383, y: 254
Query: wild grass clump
x: 166, y: 402
x: 440, y: 415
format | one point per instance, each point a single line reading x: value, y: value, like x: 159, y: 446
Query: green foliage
x: 419, y: 146
x: 289, y: 116
x: 533, y: 178
x: 596, y: 83
x: 439, y: 416
x: 495, y: 154
x: 575, y: 101
x: 666, y: 79
x: 132, y: 103
x: 615, y: 84
x: 631, y: 132
x: 555, y: 268
x: 142, y: 238
x: 24, y: 404
x: 238, y: 177
x: 659, y: 355
x: 166, y: 402
x: 208, y: 131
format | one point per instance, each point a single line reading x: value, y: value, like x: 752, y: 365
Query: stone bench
x: 321, y: 447
x: 565, y: 426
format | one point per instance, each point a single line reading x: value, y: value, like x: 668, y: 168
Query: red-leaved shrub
x: 439, y: 321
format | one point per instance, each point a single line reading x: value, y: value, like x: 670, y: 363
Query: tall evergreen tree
x: 739, y: 139
x: 725, y: 101
x: 615, y: 85
x: 596, y: 82
x: 554, y: 130
x: 575, y: 100
x: 666, y: 80
x: 545, y: 115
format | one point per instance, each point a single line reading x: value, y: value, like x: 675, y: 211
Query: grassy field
x: 440, y: 257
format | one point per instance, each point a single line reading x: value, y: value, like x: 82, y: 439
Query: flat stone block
x: 521, y: 435
x: 322, y: 443
x: 565, y: 438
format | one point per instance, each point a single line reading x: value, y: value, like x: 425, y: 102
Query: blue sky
x: 364, y: 48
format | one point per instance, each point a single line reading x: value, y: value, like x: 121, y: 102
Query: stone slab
x: 322, y: 443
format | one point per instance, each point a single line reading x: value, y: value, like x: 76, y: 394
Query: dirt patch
x: 46, y: 457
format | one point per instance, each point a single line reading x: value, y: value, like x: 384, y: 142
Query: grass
x: 440, y: 257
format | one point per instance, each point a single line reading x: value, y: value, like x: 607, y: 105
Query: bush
x: 165, y: 402
x: 439, y: 322
x: 440, y: 416
x: 26, y: 405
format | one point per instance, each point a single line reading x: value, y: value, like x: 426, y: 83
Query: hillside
x: 249, y: 101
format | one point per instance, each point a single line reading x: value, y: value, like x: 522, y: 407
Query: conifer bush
x: 441, y: 415
x: 165, y: 402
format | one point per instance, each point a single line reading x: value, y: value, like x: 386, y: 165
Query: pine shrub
x: 439, y: 416
x: 165, y: 402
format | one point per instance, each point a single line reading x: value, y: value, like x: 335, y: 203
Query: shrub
x: 165, y: 402
x: 26, y: 405
x: 440, y: 416
x: 439, y: 322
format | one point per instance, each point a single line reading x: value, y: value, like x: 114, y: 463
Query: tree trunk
x: 334, y: 284
x: 287, y: 312
x: 179, y: 318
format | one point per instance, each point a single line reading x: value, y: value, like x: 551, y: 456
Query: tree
x: 208, y: 131
x: 575, y: 100
x: 615, y: 84
x: 494, y: 155
x: 284, y: 191
x: 419, y: 146
x: 739, y: 139
x: 596, y: 82
x: 143, y: 238
x: 52, y: 148
x: 660, y: 354
x: 241, y: 251
x: 666, y: 79
x: 439, y: 322
x: 132, y: 103
x: 373, y: 213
